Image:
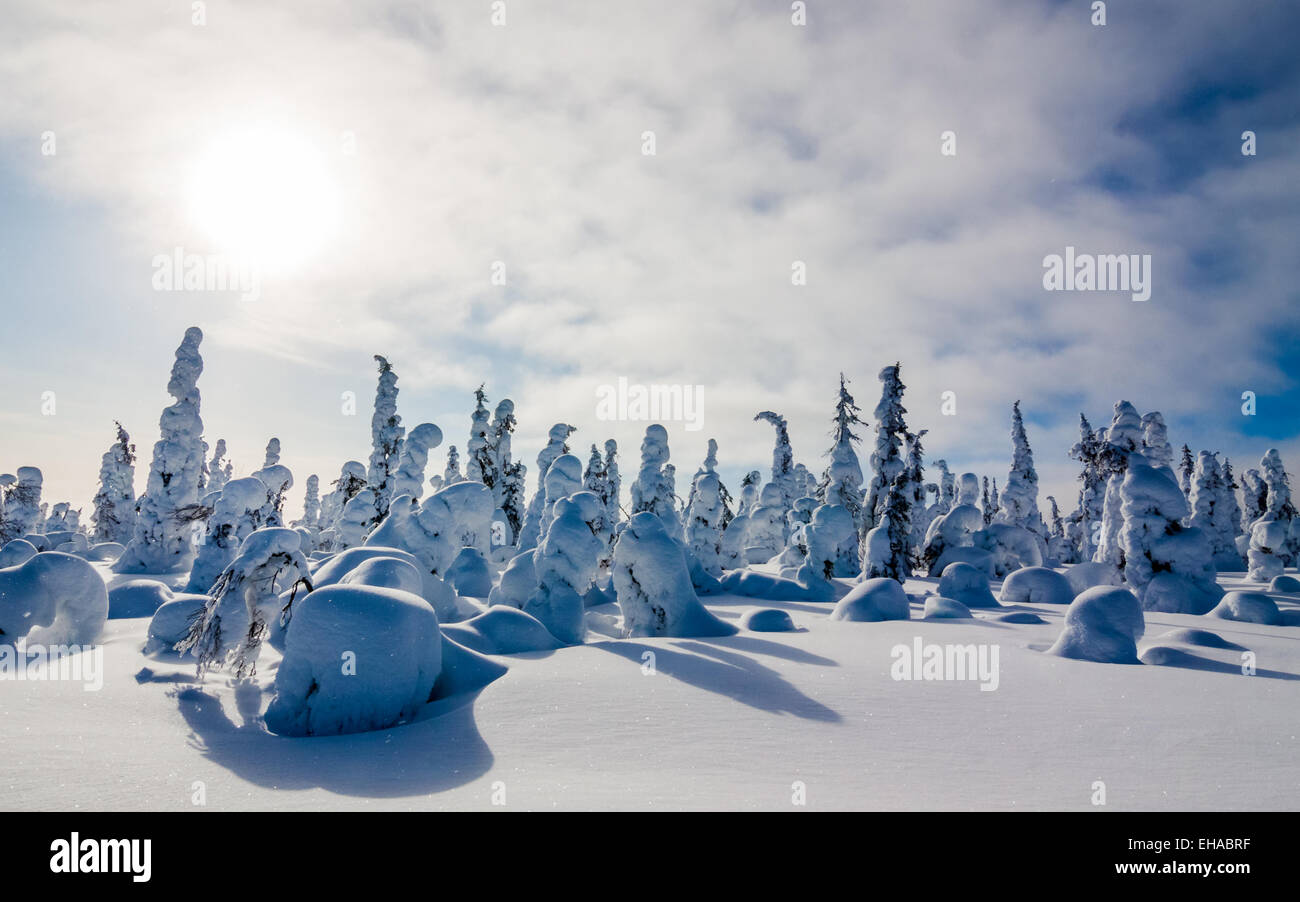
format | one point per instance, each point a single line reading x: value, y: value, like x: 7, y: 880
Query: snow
x: 967, y: 584
x: 873, y: 600
x: 52, y: 598
x: 1288, y: 584
x: 503, y: 631
x: 469, y: 574
x: 16, y: 552
x: 1092, y: 573
x: 1247, y: 607
x: 356, y: 658
x: 766, y: 620
x: 939, y: 608
x: 1036, y: 585
x: 1103, y: 625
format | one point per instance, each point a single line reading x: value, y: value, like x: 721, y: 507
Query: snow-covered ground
x: 720, y: 723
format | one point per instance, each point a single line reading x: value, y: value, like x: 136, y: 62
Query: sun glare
x: 266, y: 195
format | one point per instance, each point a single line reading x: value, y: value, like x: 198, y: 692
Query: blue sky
x: 522, y: 143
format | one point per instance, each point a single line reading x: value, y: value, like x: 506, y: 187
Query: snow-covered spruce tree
x: 480, y: 466
x: 1088, y: 451
x: 219, y: 469
x: 557, y: 443
x: 1186, y: 466
x: 1167, y: 565
x: 805, y: 482
x: 512, y: 494
x: 272, y: 453
x: 887, y: 547
x: 269, y: 562
x: 914, y: 474
x: 1123, y: 441
x: 750, y: 486
x: 563, y: 478
x: 768, y: 529
x: 310, y: 504
x: 451, y: 473
x: 1230, y: 521
x: 352, y: 479
x: 1059, y: 548
x: 947, y: 488
x: 386, y: 433
x: 1254, y: 495
x: 161, y: 543
x: 653, y: 490
x: 1020, y: 500
x: 842, y: 482
x: 887, y: 459
x: 704, y: 515
x: 566, y: 561
x: 1155, y: 442
x: 986, y: 506
x: 614, y: 482
x: 1278, y: 506
x: 1211, y: 512
x: 593, y: 477
x: 113, y: 518
x: 278, y: 480
x: 996, y: 499
x: 23, y: 508
x: 414, y: 458
x: 62, y: 518
x: 783, y: 475
x: 244, y: 506
x: 503, y: 424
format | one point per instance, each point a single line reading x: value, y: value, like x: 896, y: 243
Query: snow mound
x: 1201, y: 638
x: 1093, y: 573
x: 1174, y: 593
x: 105, y: 551
x: 1011, y: 547
x: 1036, y: 585
x: 137, y: 598
x: 52, y: 598
x: 435, y: 591
x: 357, y: 658
x: 19, y: 551
x: 503, y: 630
x: 518, y: 581
x: 653, y: 583
x: 766, y: 620
x: 1247, y: 607
x: 1018, y: 617
x: 873, y: 600
x: 965, y: 583
x: 469, y: 574
x: 385, y: 573
x: 977, y: 557
x: 768, y: 586
x: 1284, y: 583
x: 171, y: 622
x: 939, y: 608
x: 1103, y: 624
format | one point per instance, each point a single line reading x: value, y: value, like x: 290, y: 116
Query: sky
x: 385, y: 160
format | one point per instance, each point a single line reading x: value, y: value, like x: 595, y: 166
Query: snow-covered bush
x: 240, y: 509
x: 52, y: 599
x: 939, y: 608
x: 247, y: 593
x: 1247, y: 607
x: 832, y: 541
x: 113, y: 518
x: 873, y: 600
x: 1102, y: 624
x: 1036, y: 585
x: 517, y: 582
x: 1267, y: 543
x: 653, y: 582
x: 967, y: 584
x: 766, y: 530
x: 456, y: 517
x: 414, y: 458
x: 766, y: 620
x: 469, y: 574
x: 1011, y: 547
x: 503, y: 630
x: 357, y: 658
x: 161, y: 542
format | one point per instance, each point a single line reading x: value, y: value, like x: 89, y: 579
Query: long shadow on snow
x: 441, y: 750
x: 1167, y: 656
x: 728, y: 673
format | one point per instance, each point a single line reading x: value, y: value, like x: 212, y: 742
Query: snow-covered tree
x: 947, y: 488
x: 986, y: 505
x: 244, y: 506
x: 750, y: 486
x: 1123, y: 440
x: 653, y: 488
x: 272, y: 453
x: 914, y: 486
x: 1254, y: 494
x: 113, y: 518
x: 386, y: 434
x: 887, y: 459
x: 220, y: 470
x: 1167, y: 565
x: 556, y: 445
x: 311, y: 504
x: 1186, y: 465
x: 1213, y: 514
x: 480, y: 464
x: 566, y: 561
x: 1088, y: 451
x: 512, y: 495
x: 563, y: 478
x: 1278, y: 507
x: 887, y: 547
x: 783, y: 475
x: 451, y: 473
x: 704, y: 515
x: 352, y: 479
x: 1020, y: 500
x: 161, y: 543
x: 503, y: 425
x: 1230, y: 509
x: 1155, y: 442
x: 414, y: 458
x: 842, y: 482
x: 614, y: 482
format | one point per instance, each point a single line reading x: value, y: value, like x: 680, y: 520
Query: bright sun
x: 266, y: 195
